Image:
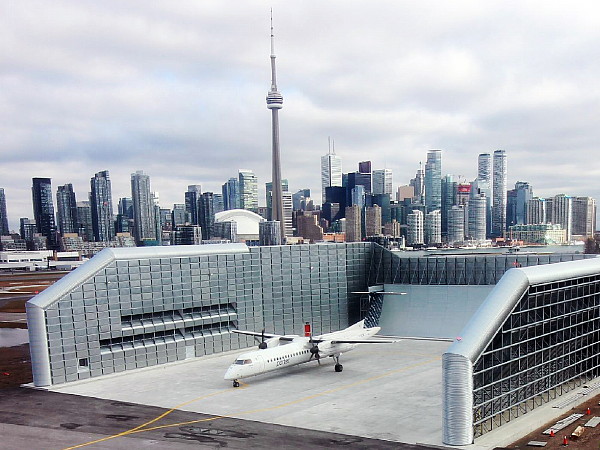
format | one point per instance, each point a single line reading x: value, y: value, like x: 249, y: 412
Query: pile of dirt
x: 15, y: 366
x: 590, y: 440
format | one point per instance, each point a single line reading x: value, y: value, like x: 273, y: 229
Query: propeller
x: 314, y: 350
x: 261, y: 344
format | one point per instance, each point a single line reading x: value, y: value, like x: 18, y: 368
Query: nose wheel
x: 236, y: 383
x: 338, y: 367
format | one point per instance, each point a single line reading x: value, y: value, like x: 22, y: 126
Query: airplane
x: 273, y: 355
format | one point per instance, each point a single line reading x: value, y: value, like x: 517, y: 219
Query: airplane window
x: 247, y: 361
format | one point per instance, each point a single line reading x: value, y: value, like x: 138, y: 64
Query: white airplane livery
x: 273, y: 354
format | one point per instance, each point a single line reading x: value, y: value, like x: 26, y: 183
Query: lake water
x: 10, y: 337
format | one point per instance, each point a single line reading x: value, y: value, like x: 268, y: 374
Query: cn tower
x: 275, y: 103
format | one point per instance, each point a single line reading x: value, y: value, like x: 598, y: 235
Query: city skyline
x: 151, y: 94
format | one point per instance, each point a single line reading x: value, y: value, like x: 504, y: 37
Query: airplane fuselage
x: 296, y: 352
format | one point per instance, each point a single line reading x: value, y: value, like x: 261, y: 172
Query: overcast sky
x: 177, y: 89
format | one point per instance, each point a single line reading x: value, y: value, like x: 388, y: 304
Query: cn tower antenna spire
x: 275, y: 103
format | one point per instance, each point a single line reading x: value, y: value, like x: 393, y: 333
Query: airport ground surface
x: 381, y: 392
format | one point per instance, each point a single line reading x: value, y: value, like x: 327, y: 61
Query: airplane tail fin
x: 374, y: 313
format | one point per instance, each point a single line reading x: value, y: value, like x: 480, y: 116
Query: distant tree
x: 591, y: 246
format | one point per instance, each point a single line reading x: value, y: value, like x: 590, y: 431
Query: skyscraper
x: 66, y: 209
x: 145, y: 223
x: 206, y: 214
x: 275, y: 103
x: 484, y: 186
x: 84, y: 221
x: 499, y: 194
x: 103, y: 221
x: 331, y: 171
x: 191, y: 202
x: 178, y: 215
x: 364, y: 167
x: 373, y: 220
x: 477, y: 217
x: 269, y: 196
x: 562, y: 213
x: 269, y: 233
x: 382, y: 181
x: 456, y: 225
x: 433, y: 228
x: 43, y: 210
x: 537, y: 211
x: 4, y: 231
x: 418, y: 184
x: 353, y: 223
x: 584, y: 216
x: 231, y: 194
x: 415, y: 232
x: 248, y: 190
x: 433, y: 180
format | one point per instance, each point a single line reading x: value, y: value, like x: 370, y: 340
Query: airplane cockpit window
x: 243, y: 361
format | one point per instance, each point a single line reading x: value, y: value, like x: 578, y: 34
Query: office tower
x: 179, y: 215
x: 433, y: 228
x: 43, y: 210
x: 331, y: 171
x: 226, y: 230
x: 499, y: 193
x: 383, y: 201
x: 357, y: 196
x: 373, y: 220
x: 456, y: 225
x: 66, y: 209
x: 288, y: 212
x: 206, y: 214
x: 477, y: 217
x: 484, y: 185
x: 562, y: 213
x: 126, y: 207
x: 269, y: 233
x: 449, y: 199
x: 382, y: 181
x: 103, y: 221
x: 187, y: 235
x: 537, y: 211
x: 418, y: 184
x: 27, y: 228
x: 4, y: 231
x: 308, y: 227
x: 516, y: 203
x: 584, y: 216
x: 415, y: 233
x: 248, y: 190
x: 269, y: 196
x: 405, y: 192
x: 301, y: 200
x: 231, y: 194
x: 353, y: 223
x: 145, y: 220
x: 433, y: 180
x: 191, y: 202
x: 275, y: 103
x: 84, y: 221
x: 364, y: 167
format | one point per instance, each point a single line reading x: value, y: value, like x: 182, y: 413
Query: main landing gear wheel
x: 339, y: 367
x: 236, y: 383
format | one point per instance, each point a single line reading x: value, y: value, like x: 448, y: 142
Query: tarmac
x: 390, y: 392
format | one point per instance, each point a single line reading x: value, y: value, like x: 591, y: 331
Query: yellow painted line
x: 142, y: 428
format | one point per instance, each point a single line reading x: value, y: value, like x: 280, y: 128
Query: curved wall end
x: 457, y: 400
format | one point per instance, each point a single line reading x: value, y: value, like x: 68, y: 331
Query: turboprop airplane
x: 272, y: 355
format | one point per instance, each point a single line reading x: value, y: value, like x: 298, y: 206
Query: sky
x: 177, y: 89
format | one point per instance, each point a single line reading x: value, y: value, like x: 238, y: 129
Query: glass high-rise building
x: 103, y: 220
x: 145, y: 222
x: 231, y: 194
x: 4, y: 231
x: 477, y: 217
x: 206, y: 214
x: 415, y: 232
x: 43, y: 210
x: 433, y: 180
x: 456, y: 225
x: 248, y: 190
x: 331, y: 172
x: 562, y: 213
x: 584, y: 216
x: 66, y: 209
x: 84, y: 221
x: 499, y: 193
x: 433, y: 227
x: 382, y: 181
x: 179, y: 215
x: 191, y: 202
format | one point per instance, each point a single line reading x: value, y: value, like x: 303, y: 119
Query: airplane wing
x: 266, y: 335
x: 373, y: 340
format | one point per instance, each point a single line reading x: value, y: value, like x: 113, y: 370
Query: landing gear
x: 236, y: 383
x: 338, y: 367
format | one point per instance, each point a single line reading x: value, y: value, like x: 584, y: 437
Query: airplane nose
x: 231, y: 374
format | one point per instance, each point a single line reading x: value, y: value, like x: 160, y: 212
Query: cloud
x: 178, y: 90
